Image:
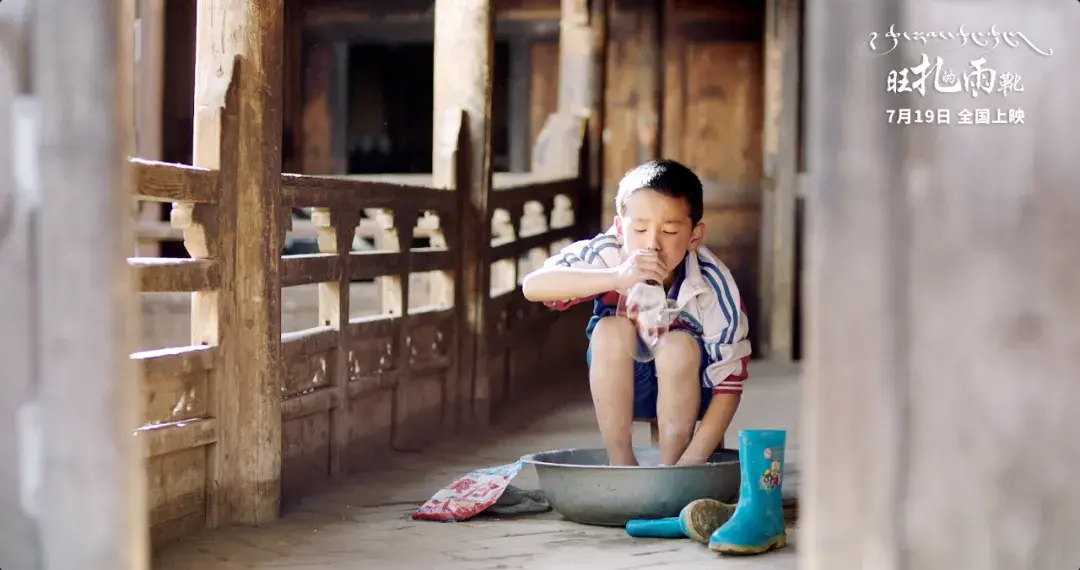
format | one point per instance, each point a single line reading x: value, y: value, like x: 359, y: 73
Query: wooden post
x: 944, y: 290
x: 336, y: 229
x: 781, y: 165
x: 89, y: 395
x: 18, y: 283
x: 150, y: 77
x: 520, y: 87
x: 325, y: 121
x: 464, y: 57
x: 149, y: 99
x: 245, y: 315
x: 582, y: 44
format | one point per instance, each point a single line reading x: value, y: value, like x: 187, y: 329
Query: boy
x: 698, y: 369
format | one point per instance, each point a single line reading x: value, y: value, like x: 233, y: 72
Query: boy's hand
x: 641, y: 266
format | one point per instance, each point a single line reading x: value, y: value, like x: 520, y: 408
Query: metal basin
x: 582, y: 487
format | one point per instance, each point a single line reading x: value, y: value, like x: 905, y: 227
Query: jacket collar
x: 693, y: 284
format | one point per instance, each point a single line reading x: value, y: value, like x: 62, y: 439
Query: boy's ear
x: 618, y: 227
x: 697, y: 235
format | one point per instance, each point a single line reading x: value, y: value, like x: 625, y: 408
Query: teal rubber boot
x: 696, y: 521
x: 702, y: 517
x: 758, y: 523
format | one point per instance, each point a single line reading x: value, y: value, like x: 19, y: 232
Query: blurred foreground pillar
x: 91, y: 505
x: 943, y: 356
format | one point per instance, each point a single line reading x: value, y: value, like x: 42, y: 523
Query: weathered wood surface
x: 166, y: 275
x: 238, y: 130
x: 780, y: 184
x: 88, y: 393
x: 165, y: 182
x: 941, y: 394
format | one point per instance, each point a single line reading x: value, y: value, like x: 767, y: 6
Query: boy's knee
x: 613, y: 335
x: 678, y: 356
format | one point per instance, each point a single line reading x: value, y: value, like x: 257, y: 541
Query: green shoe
x: 702, y: 517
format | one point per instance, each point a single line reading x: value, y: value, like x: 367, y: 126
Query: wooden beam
x: 18, y: 282
x: 168, y: 275
x: 244, y: 142
x: 780, y: 184
x: 464, y: 58
x: 944, y: 289
x: 92, y: 464
x: 351, y: 23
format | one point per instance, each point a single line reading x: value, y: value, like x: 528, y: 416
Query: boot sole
x: 704, y: 517
x: 737, y: 549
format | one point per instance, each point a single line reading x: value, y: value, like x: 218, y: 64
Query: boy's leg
x: 678, y: 403
x: 611, y: 378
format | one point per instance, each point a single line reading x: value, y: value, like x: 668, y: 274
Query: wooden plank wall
x: 685, y: 81
x: 633, y: 97
x: 713, y: 113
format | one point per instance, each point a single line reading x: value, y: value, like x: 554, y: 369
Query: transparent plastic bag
x: 648, y: 307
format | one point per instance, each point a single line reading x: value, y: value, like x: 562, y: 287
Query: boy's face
x: 654, y: 221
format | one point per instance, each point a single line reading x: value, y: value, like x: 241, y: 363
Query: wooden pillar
x: 781, y: 165
x: 245, y: 315
x: 88, y: 393
x: 520, y: 87
x: 149, y: 100
x: 18, y: 285
x: 325, y: 120
x: 317, y: 127
x: 582, y: 45
x: 464, y: 58
x: 944, y: 294
x: 150, y: 77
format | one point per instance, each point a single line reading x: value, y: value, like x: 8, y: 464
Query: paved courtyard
x: 365, y: 522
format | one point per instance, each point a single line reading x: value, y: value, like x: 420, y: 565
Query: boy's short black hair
x: 667, y: 177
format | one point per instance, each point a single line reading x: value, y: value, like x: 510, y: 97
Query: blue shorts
x: 646, y: 387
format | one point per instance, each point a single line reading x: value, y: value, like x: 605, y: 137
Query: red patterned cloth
x: 468, y: 496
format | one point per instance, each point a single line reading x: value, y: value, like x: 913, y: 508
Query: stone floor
x: 365, y: 523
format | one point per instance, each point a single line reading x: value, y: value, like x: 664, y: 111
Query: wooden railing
x: 349, y: 387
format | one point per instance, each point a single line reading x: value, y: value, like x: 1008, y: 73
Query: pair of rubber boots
x: 755, y: 525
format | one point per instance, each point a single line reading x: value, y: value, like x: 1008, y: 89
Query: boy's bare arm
x: 558, y: 283
x: 714, y: 424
